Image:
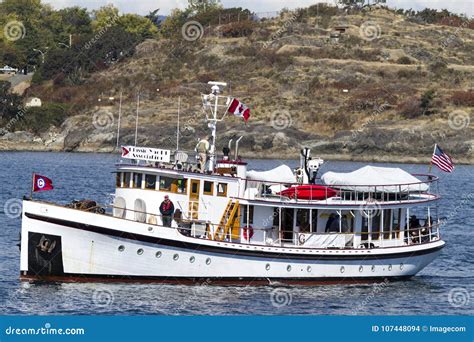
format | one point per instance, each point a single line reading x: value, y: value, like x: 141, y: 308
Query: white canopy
x: 371, y: 178
x: 280, y: 174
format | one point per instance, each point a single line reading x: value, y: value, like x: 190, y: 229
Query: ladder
x: 229, y: 221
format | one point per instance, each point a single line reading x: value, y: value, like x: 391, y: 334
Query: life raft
x: 309, y: 192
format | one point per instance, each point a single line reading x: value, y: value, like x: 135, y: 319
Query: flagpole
x: 431, y: 160
x: 32, y: 185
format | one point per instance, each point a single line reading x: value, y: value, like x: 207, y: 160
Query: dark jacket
x: 167, y: 209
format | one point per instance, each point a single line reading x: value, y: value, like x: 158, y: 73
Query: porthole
x: 389, y: 267
x: 175, y: 257
x: 121, y: 248
x: 343, y: 269
x: 401, y: 266
x: 373, y: 268
x: 288, y: 268
x: 208, y: 261
x: 140, y: 251
x: 361, y: 268
x: 267, y: 267
x: 158, y: 254
x: 308, y: 269
x: 192, y: 259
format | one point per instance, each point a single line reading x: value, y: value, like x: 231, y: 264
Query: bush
x: 40, y: 119
x: 238, y: 29
x: 411, y: 108
x: 463, y: 98
x: 404, y: 60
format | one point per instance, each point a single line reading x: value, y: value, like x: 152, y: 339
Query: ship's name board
x: 146, y: 153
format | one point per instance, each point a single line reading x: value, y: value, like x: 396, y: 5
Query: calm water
x: 444, y: 287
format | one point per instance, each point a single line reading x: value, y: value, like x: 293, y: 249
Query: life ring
x: 248, y: 232
x: 302, y: 239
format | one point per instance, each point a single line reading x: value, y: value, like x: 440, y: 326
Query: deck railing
x: 374, y: 239
x: 422, y: 191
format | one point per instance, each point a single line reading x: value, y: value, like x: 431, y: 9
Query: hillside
x: 385, y: 89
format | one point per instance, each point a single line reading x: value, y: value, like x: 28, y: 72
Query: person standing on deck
x: 167, y: 211
x: 202, y: 148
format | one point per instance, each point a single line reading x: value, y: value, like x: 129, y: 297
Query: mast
x: 212, y: 103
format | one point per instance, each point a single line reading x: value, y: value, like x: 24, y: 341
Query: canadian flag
x: 239, y: 109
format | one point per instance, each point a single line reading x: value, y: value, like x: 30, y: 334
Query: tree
x: 139, y: 25
x: 200, y: 6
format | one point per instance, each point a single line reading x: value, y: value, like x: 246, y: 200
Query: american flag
x: 442, y: 160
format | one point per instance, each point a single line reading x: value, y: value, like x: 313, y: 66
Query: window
x: 165, y: 183
x: 126, y: 179
x: 137, y: 180
x: 181, y: 186
x: 222, y: 189
x: 302, y: 220
x: 314, y: 220
x: 118, y: 180
x: 249, y: 214
x: 208, y: 188
x: 173, y: 184
x: 150, y: 182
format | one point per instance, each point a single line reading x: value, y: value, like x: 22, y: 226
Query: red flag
x: 239, y: 109
x: 41, y: 183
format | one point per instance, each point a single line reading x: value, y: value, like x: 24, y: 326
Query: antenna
x: 136, y: 121
x: 177, y: 128
x: 119, y: 117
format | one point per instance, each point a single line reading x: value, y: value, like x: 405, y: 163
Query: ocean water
x: 445, y: 287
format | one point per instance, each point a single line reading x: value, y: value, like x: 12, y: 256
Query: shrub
x: 463, y: 98
x: 411, y: 108
x: 238, y: 29
x: 39, y: 119
x: 404, y: 60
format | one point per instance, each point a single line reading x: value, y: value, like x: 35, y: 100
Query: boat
x: 231, y: 225
x: 309, y: 192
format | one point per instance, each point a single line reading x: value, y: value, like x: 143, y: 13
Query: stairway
x: 230, y: 222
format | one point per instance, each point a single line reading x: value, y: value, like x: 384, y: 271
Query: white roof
x: 280, y: 174
x: 385, y: 179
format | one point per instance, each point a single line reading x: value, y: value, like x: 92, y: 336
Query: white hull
x: 90, y: 246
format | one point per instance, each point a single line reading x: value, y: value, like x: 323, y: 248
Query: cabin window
x: 302, y: 220
x: 137, y: 180
x: 126, y: 179
x: 376, y: 225
x: 387, y: 216
x: 397, y: 214
x: 181, y: 186
x: 150, y: 182
x: 165, y: 183
x: 208, y: 188
x: 248, y: 214
x: 118, y: 179
x: 222, y: 189
x: 172, y: 184
x: 314, y: 220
